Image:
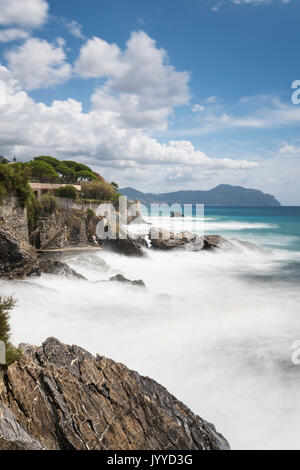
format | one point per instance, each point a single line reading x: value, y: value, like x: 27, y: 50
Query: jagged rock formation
x: 163, y: 240
x: 12, y: 435
x: 47, y: 265
x: 61, y: 397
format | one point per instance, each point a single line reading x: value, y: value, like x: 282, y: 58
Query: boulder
x: 123, y: 279
x: 123, y: 243
x: 53, y: 266
x: 163, y: 240
x: 62, y: 398
x: 216, y: 242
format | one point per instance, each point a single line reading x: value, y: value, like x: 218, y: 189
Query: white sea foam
x: 204, y: 328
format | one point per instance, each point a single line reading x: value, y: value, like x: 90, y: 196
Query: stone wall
x: 14, y: 217
x: 17, y: 257
x: 65, y: 228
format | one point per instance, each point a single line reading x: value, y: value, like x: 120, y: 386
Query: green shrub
x: 99, y: 190
x: 14, y: 180
x: 47, y: 205
x: 67, y: 191
x: 90, y: 214
x: 74, y: 223
x: 6, y: 305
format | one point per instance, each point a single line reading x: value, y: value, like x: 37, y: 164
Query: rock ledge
x: 61, y: 397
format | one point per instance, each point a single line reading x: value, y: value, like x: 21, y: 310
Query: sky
x: 159, y: 95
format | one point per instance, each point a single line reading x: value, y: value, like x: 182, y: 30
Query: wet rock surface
x: 61, y: 397
x: 123, y: 279
x: 48, y: 265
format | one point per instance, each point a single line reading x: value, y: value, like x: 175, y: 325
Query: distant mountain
x: 222, y: 195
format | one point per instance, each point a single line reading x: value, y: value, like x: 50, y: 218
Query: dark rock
x: 176, y: 214
x: 17, y: 257
x: 126, y: 247
x: 216, y: 242
x: 163, y: 240
x: 64, y: 399
x: 121, y: 278
x: 52, y: 266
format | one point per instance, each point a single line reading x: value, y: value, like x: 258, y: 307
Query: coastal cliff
x: 17, y: 256
x: 61, y: 397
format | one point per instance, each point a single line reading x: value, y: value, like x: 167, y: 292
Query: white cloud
x: 211, y: 99
x: 25, y: 13
x: 75, y: 29
x: 270, y: 113
x: 142, y: 88
x: 217, y: 6
x: 38, y: 64
x: 12, y: 34
x: 289, y: 149
x: 197, y: 108
x: 255, y: 2
x: 29, y: 128
x: 98, y: 59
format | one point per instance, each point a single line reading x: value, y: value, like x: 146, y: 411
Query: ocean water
x: 216, y: 329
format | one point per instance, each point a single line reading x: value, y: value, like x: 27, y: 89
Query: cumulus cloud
x: 139, y: 92
x: 98, y: 59
x: 24, y: 13
x: 142, y: 88
x: 38, y: 64
x: 29, y: 128
x: 12, y: 34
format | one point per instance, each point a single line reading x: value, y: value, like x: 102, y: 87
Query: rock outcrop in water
x: 48, y: 265
x: 61, y: 397
x: 124, y: 280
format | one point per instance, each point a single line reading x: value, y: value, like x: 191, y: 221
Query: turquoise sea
x: 280, y: 226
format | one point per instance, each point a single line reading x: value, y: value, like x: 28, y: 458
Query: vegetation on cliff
x: 15, y: 178
x: 6, y: 305
x: 65, y: 172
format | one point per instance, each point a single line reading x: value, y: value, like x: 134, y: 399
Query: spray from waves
x: 216, y: 338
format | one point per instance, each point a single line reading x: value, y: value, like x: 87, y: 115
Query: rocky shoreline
x: 60, y: 397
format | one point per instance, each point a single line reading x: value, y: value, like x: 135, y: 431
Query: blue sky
x: 159, y: 95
